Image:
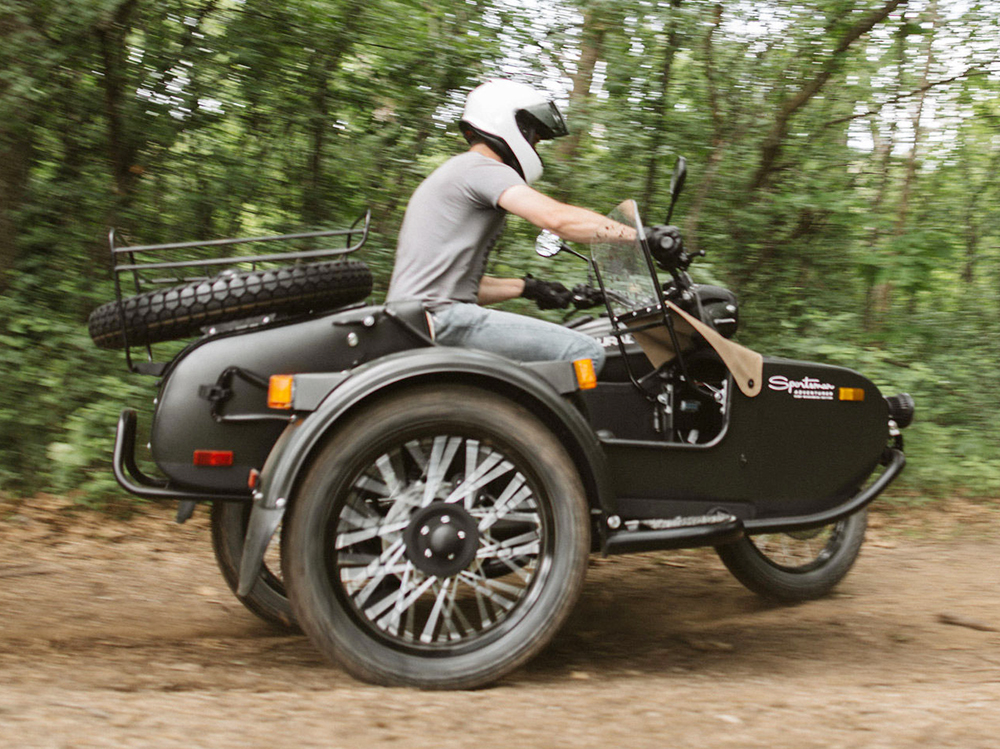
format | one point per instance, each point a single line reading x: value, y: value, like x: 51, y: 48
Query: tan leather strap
x: 746, y: 366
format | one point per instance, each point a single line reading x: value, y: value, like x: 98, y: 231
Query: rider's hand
x: 586, y: 296
x: 665, y: 244
x: 546, y: 294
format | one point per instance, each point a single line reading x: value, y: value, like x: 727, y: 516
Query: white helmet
x: 510, y: 117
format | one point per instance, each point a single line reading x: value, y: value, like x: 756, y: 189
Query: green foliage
x: 851, y: 234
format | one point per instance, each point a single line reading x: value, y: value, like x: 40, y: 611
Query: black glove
x: 666, y: 245
x: 586, y: 296
x: 546, y: 294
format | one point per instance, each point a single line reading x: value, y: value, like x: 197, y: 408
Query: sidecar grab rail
x: 894, y: 459
x: 133, y: 480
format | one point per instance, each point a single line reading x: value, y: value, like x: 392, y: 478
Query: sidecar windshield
x: 625, y: 272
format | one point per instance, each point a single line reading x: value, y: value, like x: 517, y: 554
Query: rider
x: 457, y: 213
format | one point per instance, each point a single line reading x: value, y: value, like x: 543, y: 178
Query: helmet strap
x: 497, y: 145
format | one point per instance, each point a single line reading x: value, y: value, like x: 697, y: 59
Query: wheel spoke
x: 491, y: 469
x: 358, y: 516
x: 523, y: 545
x: 375, y: 530
x: 398, y: 608
x: 797, y: 550
x: 381, y: 567
x: 428, y: 634
x: 484, y: 614
x: 513, y: 495
x: 454, y: 612
x: 417, y: 453
x: 388, y: 472
x: 520, y: 517
x: 479, y: 585
x: 442, y: 453
x: 514, y: 590
x: 471, y: 461
x: 518, y: 570
x: 399, y: 601
x: 357, y: 575
x: 367, y: 483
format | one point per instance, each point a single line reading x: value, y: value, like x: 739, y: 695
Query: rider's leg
x: 515, y: 336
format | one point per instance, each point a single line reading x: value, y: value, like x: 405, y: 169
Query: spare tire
x: 180, y: 311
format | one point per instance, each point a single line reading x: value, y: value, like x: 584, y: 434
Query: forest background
x: 843, y: 175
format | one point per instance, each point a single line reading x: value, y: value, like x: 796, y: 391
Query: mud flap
x: 264, y: 521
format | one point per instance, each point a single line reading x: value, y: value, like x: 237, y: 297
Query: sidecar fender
x: 325, y: 399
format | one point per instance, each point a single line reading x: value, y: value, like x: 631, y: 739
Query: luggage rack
x: 124, y: 261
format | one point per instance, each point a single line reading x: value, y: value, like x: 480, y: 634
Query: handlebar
x: 585, y: 296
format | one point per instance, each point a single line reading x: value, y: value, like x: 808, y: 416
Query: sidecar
x: 436, y: 506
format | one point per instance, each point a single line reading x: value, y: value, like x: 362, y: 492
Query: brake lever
x: 685, y: 259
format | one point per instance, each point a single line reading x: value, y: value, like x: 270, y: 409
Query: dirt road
x: 122, y: 633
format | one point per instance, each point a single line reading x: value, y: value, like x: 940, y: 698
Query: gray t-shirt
x: 450, y: 226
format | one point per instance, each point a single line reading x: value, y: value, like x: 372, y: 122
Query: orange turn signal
x: 279, y: 391
x: 852, y: 394
x: 586, y: 377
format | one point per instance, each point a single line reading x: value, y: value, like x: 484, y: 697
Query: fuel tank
x: 202, y: 408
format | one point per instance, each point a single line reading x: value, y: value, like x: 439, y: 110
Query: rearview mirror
x: 548, y: 244
x: 677, y: 184
x: 677, y: 180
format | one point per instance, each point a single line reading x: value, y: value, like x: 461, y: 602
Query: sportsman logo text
x: 807, y: 387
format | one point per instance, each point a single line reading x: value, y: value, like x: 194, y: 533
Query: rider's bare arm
x: 570, y: 222
x: 493, y: 290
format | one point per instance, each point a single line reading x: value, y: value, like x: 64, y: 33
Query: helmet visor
x: 546, y: 119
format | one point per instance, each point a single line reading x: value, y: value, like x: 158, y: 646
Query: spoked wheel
x: 799, y: 565
x: 267, y: 598
x: 439, y: 540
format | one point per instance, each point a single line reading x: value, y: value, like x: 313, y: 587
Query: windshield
x: 623, y: 267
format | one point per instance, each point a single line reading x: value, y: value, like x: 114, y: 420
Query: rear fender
x: 541, y: 386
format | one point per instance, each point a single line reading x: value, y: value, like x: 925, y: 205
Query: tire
x: 180, y: 311
x: 267, y: 598
x: 393, y: 588
x: 796, y: 566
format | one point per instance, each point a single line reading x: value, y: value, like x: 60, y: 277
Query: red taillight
x: 213, y: 458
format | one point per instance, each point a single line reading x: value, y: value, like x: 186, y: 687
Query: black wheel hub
x: 441, y: 539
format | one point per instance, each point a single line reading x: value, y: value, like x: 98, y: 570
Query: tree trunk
x: 326, y: 62
x: 16, y: 156
x: 111, y: 34
x: 771, y: 147
x: 879, y: 299
x: 663, y: 108
x: 595, y: 29
x: 718, y: 139
x: 912, y: 160
x: 883, y: 152
x: 313, y: 206
x: 973, y: 230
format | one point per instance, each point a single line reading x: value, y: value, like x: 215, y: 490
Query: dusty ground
x: 122, y: 633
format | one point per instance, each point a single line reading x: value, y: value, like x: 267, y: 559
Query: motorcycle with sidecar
x: 436, y: 506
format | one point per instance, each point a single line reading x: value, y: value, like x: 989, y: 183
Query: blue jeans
x: 515, y: 336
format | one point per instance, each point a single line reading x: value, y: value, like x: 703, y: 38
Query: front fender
x: 541, y: 386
